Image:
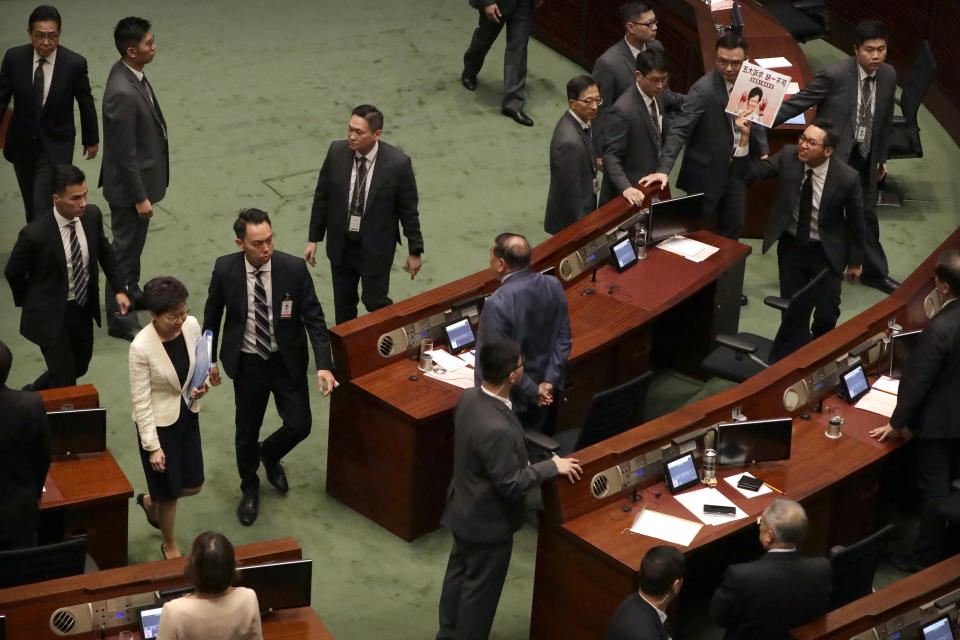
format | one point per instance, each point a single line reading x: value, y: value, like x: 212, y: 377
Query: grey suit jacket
x: 614, y: 72
x: 840, y: 219
x: 834, y: 92
x: 136, y: 162
x: 706, y: 130
x: 491, y: 472
x: 572, y: 170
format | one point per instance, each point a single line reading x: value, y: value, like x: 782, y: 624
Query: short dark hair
x: 660, y: 568
x: 498, y: 360
x: 164, y: 293
x: 579, y: 84
x: 830, y: 138
x: 631, y: 10
x: 732, y: 40
x: 869, y: 30
x: 66, y: 175
x: 787, y: 520
x: 129, y: 32
x: 211, y: 566
x: 249, y: 216
x: 371, y: 114
x: 513, y: 249
x: 651, y: 60
x: 44, y: 13
x: 948, y: 270
x: 756, y: 91
x: 6, y: 361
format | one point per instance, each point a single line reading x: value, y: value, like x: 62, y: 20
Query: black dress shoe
x: 518, y: 116
x: 885, y: 284
x: 743, y: 300
x: 469, y: 83
x: 249, y: 508
x: 275, y: 474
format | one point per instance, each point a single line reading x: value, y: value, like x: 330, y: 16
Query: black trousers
x: 799, y: 264
x: 69, y: 356
x: 518, y: 24
x: 256, y: 379
x: 874, y: 258
x: 36, y: 186
x: 938, y: 462
x: 129, y: 237
x: 348, y: 274
x: 471, y: 588
x: 726, y: 212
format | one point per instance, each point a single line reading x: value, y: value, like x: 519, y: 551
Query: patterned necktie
x: 261, y: 317
x: 359, y: 188
x: 38, y: 82
x: 80, y: 279
x: 865, y: 117
x: 806, y: 209
x: 655, y: 117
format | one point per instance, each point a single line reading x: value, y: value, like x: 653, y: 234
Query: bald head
x: 785, y: 522
x: 513, y: 250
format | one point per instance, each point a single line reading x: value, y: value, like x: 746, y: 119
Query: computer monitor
x: 901, y: 346
x: 740, y: 443
x: 939, y: 629
x: 459, y: 335
x: 149, y: 622
x: 677, y: 216
x: 279, y: 585
x: 78, y: 431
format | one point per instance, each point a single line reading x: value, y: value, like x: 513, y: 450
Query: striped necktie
x: 80, y: 278
x: 261, y: 317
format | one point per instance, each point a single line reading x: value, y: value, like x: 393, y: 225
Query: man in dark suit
x: 817, y: 223
x: 929, y: 406
x: 44, y: 79
x: 573, y: 166
x: 635, y: 129
x: 518, y: 16
x: 366, y: 190
x: 614, y: 70
x: 485, y: 501
x: 857, y: 96
x: 643, y: 615
x: 136, y: 169
x: 24, y: 460
x: 780, y: 590
x: 54, y: 276
x: 530, y: 308
x: 710, y: 138
x: 272, y: 309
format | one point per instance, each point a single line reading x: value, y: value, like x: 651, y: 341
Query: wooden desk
x: 586, y: 561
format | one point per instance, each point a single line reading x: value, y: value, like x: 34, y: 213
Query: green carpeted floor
x: 253, y: 93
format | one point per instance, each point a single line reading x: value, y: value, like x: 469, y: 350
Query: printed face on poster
x: 758, y: 92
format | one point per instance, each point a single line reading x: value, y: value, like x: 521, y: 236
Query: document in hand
x: 203, y: 357
x: 758, y: 92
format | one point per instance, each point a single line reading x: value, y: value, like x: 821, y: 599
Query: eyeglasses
x: 647, y: 24
x: 808, y: 141
x: 733, y: 64
x: 52, y: 36
x: 658, y: 80
x: 590, y: 101
x: 173, y: 316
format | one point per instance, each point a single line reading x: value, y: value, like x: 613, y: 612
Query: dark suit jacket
x: 391, y: 202
x: 24, y: 456
x: 928, y: 401
x: 491, y: 473
x: 635, y: 619
x: 706, y: 130
x: 289, y: 276
x: 834, y: 92
x: 572, y: 169
x: 841, y: 224
x: 769, y: 596
x: 506, y: 6
x: 136, y: 159
x: 530, y: 308
x: 614, y: 72
x: 37, y: 273
x: 53, y: 132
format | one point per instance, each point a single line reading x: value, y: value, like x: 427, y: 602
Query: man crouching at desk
x: 485, y: 501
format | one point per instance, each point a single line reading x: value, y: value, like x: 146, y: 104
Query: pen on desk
x: 767, y: 484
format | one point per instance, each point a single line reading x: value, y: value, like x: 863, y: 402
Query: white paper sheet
x: 721, y: 5
x: 735, y: 478
x: 446, y: 360
x: 688, y: 248
x: 887, y: 385
x: 773, y: 63
x: 462, y: 377
x: 694, y: 501
x: 878, y: 402
x: 470, y: 357
x: 663, y: 527
x: 793, y: 88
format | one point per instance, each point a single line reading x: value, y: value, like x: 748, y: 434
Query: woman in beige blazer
x: 162, y: 361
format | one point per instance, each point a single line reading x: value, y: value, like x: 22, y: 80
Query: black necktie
x: 261, y: 317
x: 156, y: 105
x: 806, y: 208
x: 38, y: 82
x: 359, y: 188
x: 655, y: 118
x: 76, y: 263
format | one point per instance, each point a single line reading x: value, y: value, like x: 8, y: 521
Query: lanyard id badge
x: 286, y: 307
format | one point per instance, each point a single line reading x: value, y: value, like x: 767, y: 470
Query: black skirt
x: 181, y: 447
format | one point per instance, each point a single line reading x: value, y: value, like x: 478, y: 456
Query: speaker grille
x: 599, y: 486
x: 385, y: 345
x: 63, y: 621
x: 571, y: 266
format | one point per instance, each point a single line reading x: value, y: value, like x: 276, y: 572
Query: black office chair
x: 36, y: 564
x: 727, y: 361
x: 854, y: 566
x: 804, y: 19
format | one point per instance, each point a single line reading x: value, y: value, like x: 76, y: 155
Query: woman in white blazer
x: 162, y: 361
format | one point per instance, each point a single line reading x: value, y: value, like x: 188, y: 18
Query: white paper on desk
x: 694, y: 501
x: 773, y: 63
x: 470, y: 357
x: 721, y: 5
x: 462, y: 377
x: 446, y: 360
x: 877, y: 401
x: 887, y: 385
x: 688, y: 248
x: 663, y: 527
x: 735, y: 478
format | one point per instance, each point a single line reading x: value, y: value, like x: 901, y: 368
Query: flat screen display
x: 460, y: 335
x: 740, y: 443
x: 854, y: 384
x: 79, y: 431
x: 150, y: 622
x: 939, y: 629
x: 901, y: 346
x: 623, y: 254
x: 678, y: 216
x: 279, y: 585
x: 680, y: 473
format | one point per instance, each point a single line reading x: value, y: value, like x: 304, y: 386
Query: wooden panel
x: 84, y: 396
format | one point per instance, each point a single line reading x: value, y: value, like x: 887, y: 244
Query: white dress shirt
x: 660, y: 613
x: 583, y: 125
x: 633, y: 50
x: 818, y: 176
x: 64, y: 225
x: 47, y: 71
x: 647, y: 100
x: 371, y: 161
x: 505, y: 401
x: 250, y: 331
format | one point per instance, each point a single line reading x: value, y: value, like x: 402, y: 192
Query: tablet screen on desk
x: 624, y: 255
x: 939, y: 629
x: 150, y: 622
x: 460, y: 335
x: 680, y: 473
x: 853, y: 383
